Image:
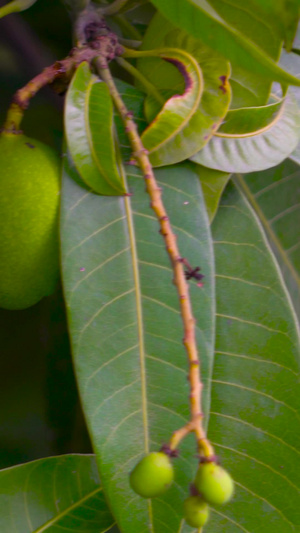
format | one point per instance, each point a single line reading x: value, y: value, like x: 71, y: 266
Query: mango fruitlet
x: 153, y: 475
x: 214, y: 484
x: 196, y: 511
x: 29, y: 201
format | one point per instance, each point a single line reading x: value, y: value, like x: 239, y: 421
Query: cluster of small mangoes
x: 213, y: 485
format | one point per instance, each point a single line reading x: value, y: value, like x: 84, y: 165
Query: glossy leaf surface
x: 213, y: 102
x: 275, y: 196
x: 53, y: 494
x: 258, y: 150
x: 126, y: 330
x: 255, y: 409
x: 89, y: 132
x: 198, y: 18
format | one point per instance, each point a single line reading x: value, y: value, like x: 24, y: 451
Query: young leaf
x: 255, y: 409
x: 256, y: 150
x: 168, y: 137
x: 275, y: 197
x: 54, y: 494
x: 89, y: 132
x: 200, y: 20
x: 126, y: 330
x: 215, y: 98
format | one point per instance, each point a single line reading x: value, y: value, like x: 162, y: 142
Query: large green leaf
x: 275, y: 196
x: 198, y: 18
x: 126, y: 330
x: 89, y: 132
x: 255, y: 406
x: 53, y: 494
x: 255, y: 150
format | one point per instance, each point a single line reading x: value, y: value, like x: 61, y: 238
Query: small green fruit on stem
x: 196, y: 511
x: 214, y: 484
x: 153, y: 475
x: 29, y: 202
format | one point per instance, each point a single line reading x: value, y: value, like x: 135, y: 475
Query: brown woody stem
x: 189, y: 341
x: 63, y: 70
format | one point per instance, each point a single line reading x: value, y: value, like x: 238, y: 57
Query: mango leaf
x: 89, y: 132
x: 198, y: 18
x: 291, y: 62
x: 214, y: 101
x: 126, y: 331
x: 15, y: 6
x: 275, y: 197
x: 255, y: 403
x: 54, y: 494
x: 256, y: 150
x: 213, y: 184
x: 266, y: 24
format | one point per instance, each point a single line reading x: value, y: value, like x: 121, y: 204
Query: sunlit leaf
x: 275, y: 197
x: 53, y: 494
x: 126, y: 330
x: 89, y: 132
x: 256, y: 150
x: 255, y: 404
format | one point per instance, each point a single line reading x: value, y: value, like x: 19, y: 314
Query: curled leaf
x: 253, y: 150
x: 90, y: 132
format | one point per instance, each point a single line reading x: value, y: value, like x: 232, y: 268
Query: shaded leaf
x: 275, y: 197
x: 200, y: 20
x: 126, y: 330
x: 53, y: 494
x: 89, y: 132
x: 255, y: 404
x: 256, y: 150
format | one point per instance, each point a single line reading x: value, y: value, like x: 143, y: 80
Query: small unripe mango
x: 214, y: 484
x: 29, y: 202
x: 196, y: 511
x: 153, y: 475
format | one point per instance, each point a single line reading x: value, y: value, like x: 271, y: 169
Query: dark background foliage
x: 40, y: 414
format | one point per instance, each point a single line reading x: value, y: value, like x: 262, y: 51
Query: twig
x: 63, y: 70
x: 189, y: 341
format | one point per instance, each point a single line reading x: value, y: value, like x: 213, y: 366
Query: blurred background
x: 40, y: 412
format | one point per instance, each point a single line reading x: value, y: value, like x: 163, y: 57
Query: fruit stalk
x: 141, y: 157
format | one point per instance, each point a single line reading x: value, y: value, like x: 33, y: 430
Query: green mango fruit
x: 29, y: 202
x: 196, y: 511
x: 153, y: 475
x: 214, y: 483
